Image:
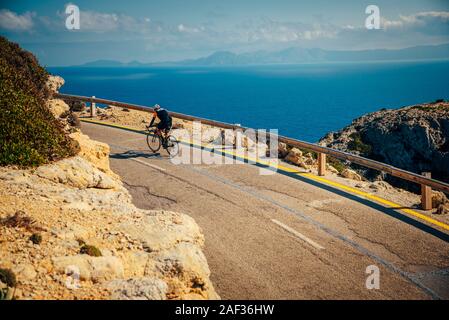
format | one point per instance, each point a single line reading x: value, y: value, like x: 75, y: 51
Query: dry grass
x: 20, y: 220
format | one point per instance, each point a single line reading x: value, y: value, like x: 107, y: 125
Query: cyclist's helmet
x: 157, y: 107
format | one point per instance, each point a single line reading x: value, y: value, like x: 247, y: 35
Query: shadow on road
x: 297, y: 175
x: 388, y: 211
x: 135, y: 154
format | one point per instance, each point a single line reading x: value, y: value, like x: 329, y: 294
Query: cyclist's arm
x: 152, y: 120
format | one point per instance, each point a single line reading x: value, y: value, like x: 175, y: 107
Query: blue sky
x: 166, y: 30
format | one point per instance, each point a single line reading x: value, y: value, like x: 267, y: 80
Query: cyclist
x: 165, y: 121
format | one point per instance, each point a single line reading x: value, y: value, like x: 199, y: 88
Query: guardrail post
x: 426, y: 194
x: 93, y: 108
x: 321, y: 164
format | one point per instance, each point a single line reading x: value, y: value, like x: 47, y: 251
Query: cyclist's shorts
x: 164, y: 125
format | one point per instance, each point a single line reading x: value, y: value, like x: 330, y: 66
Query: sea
x: 302, y: 101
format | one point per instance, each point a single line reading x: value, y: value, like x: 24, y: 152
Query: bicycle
x: 155, y: 139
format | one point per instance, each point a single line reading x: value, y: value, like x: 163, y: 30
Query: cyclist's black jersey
x: 163, y: 116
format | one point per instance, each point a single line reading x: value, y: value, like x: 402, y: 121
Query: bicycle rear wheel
x: 153, y: 141
x: 172, y: 146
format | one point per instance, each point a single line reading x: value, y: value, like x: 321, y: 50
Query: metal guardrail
x: 426, y: 182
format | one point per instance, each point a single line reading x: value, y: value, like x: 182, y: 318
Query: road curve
x: 284, y: 237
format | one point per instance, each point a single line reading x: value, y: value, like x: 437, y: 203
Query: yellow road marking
x: 385, y: 202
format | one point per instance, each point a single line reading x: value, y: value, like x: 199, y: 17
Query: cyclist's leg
x: 160, y: 128
x: 167, y: 128
x: 162, y: 131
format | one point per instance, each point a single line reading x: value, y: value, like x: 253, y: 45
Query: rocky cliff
x: 69, y: 230
x: 414, y: 138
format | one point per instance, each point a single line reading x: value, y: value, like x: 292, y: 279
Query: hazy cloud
x: 278, y: 31
x: 184, y: 28
x: 178, y: 38
x: 102, y: 22
x: 14, y: 22
x: 432, y: 22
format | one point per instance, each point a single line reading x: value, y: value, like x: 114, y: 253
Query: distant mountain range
x: 294, y: 55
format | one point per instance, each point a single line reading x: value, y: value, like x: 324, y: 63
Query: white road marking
x: 299, y: 235
x: 148, y: 164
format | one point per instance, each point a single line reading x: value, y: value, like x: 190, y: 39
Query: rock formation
x: 414, y: 138
x: 78, y: 202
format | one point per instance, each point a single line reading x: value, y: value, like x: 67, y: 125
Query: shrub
x: 74, y: 120
x: 434, y: 106
x: 8, y: 277
x: 337, y: 164
x: 20, y: 220
x: 36, y: 238
x: 29, y: 134
x: 357, y: 144
x: 77, y: 106
x: 90, y: 250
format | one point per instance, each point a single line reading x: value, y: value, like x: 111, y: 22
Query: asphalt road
x: 282, y: 236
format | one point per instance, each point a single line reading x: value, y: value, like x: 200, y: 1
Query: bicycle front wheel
x: 172, y: 146
x: 154, y: 143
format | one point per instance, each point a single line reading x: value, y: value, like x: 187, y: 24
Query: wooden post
x: 321, y: 164
x: 93, y: 109
x: 426, y: 194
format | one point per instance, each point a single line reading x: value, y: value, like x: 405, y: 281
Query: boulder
x: 261, y: 149
x: 25, y: 272
x: 95, y: 152
x: 308, y: 155
x: 186, y: 272
x: 351, y: 174
x: 77, y: 172
x: 310, y: 161
x: 438, y: 198
x: 294, y: 156
x: 135, y: 262
x: 210, y: 135
x: 248, y: 142
x: 228, y: 137
x: 380, y: 185
x: 282, y: 150
x: 138, y: 289
x: 57, y: 107
x: 331, y: 169
x: 159, y: 230
x: 96, y: 269
x: 54, y: 83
